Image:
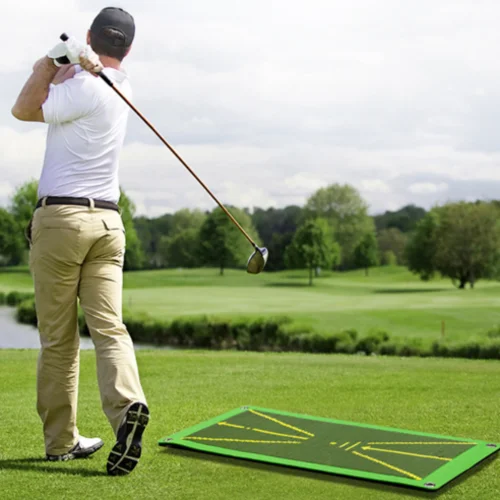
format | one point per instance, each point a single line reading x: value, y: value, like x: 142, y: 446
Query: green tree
x: 461, y: 241
x: 11, y: 240
x: 389, y: 259
x: 276, y: 227
x: 150, y: 233
x: 23, y: 204
x: 144, y: 232
x: 185, y: 219
x: 134, y: 254
x: 366, y: 253
x: 346, y: 212
x: 404, y: 219
x: 221, y: 244
x: 180, y: 247
x: 392, y: 240
x: 421, y: 248
x: 181, y: 250
x: 313, y: 246
x: 468, y: 246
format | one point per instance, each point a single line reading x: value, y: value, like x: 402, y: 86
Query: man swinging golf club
x: 77, y: 240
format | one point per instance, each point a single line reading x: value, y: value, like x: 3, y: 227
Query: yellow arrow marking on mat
x: 262, y: 431
x: 240, y: 440
x: 389, y: 466
x: 225, y: 424
x: 430, y: 443
x: 369, y: 448
x: 275, y: 420
x: 345, y: 444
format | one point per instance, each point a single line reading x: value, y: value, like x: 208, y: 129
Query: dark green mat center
x: 377, y: 451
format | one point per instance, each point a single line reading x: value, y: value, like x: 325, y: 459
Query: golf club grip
x: 64, y: 37
x: 150, y: 125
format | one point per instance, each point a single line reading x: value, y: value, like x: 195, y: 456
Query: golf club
x: 258, y: 259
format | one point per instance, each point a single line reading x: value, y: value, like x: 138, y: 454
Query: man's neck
x: 110, y: 62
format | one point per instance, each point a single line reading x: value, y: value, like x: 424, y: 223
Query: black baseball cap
x: 111, y: 20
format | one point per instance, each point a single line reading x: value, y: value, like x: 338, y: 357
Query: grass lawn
x: 451, y: 397
x: 389, y: 298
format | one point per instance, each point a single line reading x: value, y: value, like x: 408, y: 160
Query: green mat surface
x: 413, y: 459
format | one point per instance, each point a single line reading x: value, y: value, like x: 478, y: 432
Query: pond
x: 14, y: 335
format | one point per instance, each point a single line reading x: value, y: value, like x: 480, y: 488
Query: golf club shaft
x: 64, y: 37
x: 150, y: 125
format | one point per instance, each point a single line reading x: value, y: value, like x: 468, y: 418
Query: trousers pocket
x: 113, y: 223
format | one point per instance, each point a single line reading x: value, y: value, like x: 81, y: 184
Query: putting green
x: 383, y: 454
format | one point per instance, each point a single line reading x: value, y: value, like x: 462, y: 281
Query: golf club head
x: 257, y: 260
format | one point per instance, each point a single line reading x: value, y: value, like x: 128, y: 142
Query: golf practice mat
x: 413, y: 459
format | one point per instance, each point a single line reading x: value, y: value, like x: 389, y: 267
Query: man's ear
x: 88, y: 37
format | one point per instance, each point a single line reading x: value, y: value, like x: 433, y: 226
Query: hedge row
x: 13, y: 298
x: 281, y: 335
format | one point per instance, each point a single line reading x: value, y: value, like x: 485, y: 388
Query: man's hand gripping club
x: 72, y: 51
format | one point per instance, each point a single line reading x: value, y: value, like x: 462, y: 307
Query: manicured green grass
x: 389, y: 298
x: 15, y: 279
x: 451, y: 397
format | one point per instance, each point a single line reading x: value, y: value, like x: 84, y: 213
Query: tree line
x: 332, y: 231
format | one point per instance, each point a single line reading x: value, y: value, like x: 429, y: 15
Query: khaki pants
x: 77, y: 252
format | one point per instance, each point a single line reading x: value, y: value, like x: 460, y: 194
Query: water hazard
x: 14, y: 335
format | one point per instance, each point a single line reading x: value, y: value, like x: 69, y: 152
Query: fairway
x: 389, y: 298
x: 439, y: 396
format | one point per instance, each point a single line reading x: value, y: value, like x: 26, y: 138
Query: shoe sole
x: 126, y: 452
x: 75, y: 455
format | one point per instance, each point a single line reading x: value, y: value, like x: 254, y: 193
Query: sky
x: 270, y: 100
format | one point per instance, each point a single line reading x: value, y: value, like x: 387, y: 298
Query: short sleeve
x: 69, y: 101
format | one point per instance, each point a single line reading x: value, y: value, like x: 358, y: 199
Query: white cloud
x: 428, y: 188
x: 388, y: 96
x: 304, y: 182
x: 375, y: 186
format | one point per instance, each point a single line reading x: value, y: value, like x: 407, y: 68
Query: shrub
x: 15, y: 298
x: 346, y: 347
x: 490, y: 350
x: 26, y: 312
x: 389, y: 348
x: 372, y: 341
x: 276, y: 334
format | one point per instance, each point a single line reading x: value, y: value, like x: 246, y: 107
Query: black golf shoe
x: 84, y: 448
x: 126, y: 452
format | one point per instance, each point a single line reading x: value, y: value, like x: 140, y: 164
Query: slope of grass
x: 457, y: 398
x: 389, y: 298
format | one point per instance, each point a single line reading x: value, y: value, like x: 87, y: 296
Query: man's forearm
x: 28, y: 106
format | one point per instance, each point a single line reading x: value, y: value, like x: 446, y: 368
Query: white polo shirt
x: 87, y: 126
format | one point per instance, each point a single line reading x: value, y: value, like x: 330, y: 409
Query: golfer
x: 77, y: 240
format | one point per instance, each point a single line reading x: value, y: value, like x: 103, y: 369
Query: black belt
x: 84, y: 202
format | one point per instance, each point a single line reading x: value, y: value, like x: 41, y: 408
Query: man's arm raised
x: 28, y: 106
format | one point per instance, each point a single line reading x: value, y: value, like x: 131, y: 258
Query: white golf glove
x: 74, y: 52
